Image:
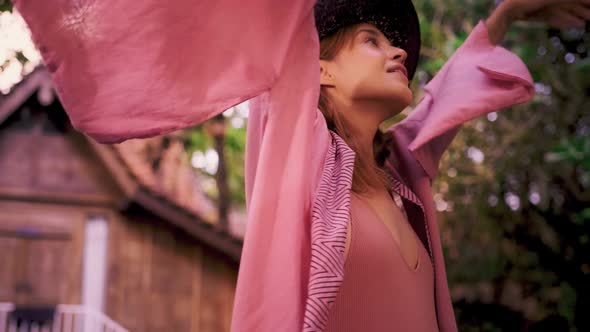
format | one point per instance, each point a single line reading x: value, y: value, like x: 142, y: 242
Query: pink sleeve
x: 286, y: 145
x: 131, y: 69
x: 479, y: 78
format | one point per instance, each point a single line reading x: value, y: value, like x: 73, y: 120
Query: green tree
x: 513, y: 190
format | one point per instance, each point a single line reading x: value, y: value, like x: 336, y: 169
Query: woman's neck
x: 362, y: 121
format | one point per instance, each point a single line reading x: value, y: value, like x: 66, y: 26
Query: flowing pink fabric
x: 130, y: 69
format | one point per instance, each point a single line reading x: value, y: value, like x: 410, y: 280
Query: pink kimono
x: 129, y: 69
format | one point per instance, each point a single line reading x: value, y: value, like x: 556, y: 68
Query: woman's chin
x: 401, y: 95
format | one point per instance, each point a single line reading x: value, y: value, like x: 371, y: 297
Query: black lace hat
x: 397, y: 19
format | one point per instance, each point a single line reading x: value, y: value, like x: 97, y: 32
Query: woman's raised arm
x: 129, y: 69
x: 480, y: 77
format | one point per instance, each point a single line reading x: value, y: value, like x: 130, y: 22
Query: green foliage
x: 583, y: 218
x: 235, y: 140
x: 566, y: 306
x: 235, y: 145
x: 198, y: 140
x: 5, y: 6
x: 574, y: 150
x: 537, y: 153
x: 234, y: 149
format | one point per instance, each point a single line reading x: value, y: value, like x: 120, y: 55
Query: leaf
x: 198, y: 140
x: 582, y: 217
x: 5, y: 6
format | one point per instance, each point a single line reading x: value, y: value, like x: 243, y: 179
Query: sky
x: 15, y: 37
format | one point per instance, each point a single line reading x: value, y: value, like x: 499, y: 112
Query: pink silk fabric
x: 131, y: 69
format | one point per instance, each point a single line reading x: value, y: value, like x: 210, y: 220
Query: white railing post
x: 73, y: 317
x: 67, y: 318
x: 5, y: 308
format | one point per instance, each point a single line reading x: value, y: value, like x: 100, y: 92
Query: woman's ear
x: 326, y: 77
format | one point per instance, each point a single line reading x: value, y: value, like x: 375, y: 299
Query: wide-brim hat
x: 397, y: 19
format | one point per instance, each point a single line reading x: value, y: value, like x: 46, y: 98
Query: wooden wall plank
x: 8, y: 247
x: 197, y: 282
x: 52, y: 163
x: 169, y: 281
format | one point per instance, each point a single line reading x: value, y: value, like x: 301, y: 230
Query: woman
x: 137, y: 69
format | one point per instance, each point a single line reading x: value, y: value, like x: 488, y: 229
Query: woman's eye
x: 372, y: 40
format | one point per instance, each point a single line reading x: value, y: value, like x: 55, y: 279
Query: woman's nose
x: 398, y: 54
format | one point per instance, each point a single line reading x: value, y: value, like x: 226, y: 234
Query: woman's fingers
x: 562, y: 2
x: 563, y: 19
x: 581, y: 11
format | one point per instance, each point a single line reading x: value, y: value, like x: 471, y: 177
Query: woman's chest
x: 380, y: 214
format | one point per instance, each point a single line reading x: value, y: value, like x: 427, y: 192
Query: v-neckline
x: 390, y: 235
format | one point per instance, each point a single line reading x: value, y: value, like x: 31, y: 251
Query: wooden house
x: 121, y: 231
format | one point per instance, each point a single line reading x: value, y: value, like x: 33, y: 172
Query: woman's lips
x: 399, y: 73
x: 398, y: 68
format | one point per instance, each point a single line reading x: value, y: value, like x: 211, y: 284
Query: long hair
x: 366, y: 175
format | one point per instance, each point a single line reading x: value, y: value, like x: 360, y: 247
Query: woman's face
x: 368, y: 69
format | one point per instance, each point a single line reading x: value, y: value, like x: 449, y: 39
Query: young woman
x: 341, y: 234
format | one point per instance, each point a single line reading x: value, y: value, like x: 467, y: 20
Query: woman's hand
x: 561, y: 14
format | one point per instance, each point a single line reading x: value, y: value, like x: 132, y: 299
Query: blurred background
x: 146, y: 235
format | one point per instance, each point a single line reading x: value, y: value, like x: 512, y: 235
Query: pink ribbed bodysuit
x: 380, y: 291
